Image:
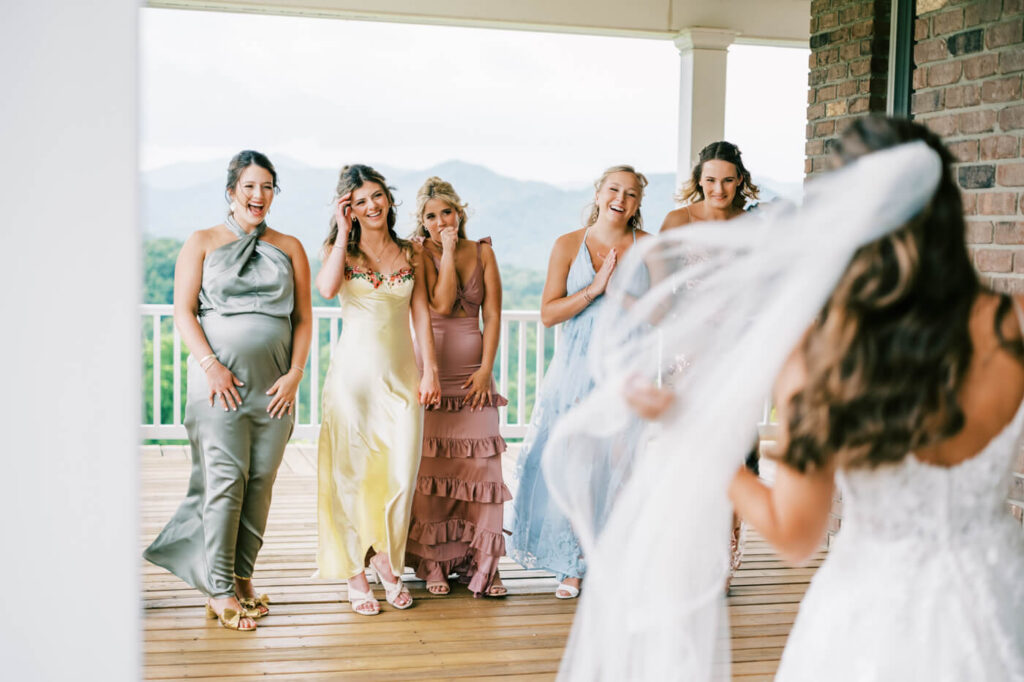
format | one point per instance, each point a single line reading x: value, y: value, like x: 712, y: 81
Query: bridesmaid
x: 458, y: 508
x: 249, y: 286
x: 719, y: 188
x: 372, y: 427
x: 581, y: 264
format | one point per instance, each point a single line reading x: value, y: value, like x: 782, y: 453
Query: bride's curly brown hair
x: 887, y: 354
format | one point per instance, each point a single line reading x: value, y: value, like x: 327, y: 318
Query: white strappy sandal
x: 358, y: 599
x: 392, y: 590
x: 571, y: 591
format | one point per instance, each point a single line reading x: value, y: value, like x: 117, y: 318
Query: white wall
x: 69, y: 554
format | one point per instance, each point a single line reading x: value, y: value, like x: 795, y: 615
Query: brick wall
x: 968, y: 85
x: 849, y: 64
x: 968, y: 77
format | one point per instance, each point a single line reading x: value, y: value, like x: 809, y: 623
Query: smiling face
x: 618, y: 198
x: 719, y: 181
x: 437, y: 215
x: 370, y: 206
x: 252, y: 195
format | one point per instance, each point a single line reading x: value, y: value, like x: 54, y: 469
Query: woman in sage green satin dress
x: 371, y: 433
x: 242, y: 305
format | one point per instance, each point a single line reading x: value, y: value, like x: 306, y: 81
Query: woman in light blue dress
x: 581, y: 264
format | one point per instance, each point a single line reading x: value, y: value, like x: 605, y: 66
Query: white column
x: 69, y: 287
x: 702, y: 62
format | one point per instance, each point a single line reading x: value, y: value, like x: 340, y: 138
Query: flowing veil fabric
x: 725, y: 305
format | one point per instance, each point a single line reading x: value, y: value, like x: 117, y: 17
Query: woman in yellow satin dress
x: 372, y: 426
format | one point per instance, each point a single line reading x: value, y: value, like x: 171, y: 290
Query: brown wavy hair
x: 636, y: 221
x: 719, y: 151
x: 436, y: 188
x: 887, y: 355
x: 350, y: 179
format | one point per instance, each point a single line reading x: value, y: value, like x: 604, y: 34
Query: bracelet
x: 205, y: 362
x: 301, y: 371
x: 586, y: 295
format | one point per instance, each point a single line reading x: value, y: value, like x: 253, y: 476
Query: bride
x: 898, y: 377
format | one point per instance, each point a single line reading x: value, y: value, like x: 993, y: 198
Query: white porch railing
x: 523, y: 353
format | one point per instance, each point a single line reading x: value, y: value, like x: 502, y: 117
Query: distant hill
x: 524, y: 218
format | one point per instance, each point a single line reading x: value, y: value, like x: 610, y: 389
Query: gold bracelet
x: 301, y: 371
x: 204, y: 363
x: 586, y: 295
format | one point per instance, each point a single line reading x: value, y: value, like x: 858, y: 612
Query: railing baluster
x: 503, y: 370
x: 314, y: 372
x: 334, y: 334
x: 521, y: 375
x: 156, y: 369
x: 541, y: 352
x: 177, y: 376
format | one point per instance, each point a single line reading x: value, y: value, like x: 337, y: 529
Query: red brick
x: 982, y: 12
x: 847, y: 88
x: 948, y: 22
x: 943, y: 126
x: 1008, y: 285
x: 826, y: 57
x: 979, y: 232
x: 994, y: 260
x: 1010, y: 174
x: 824, y: 128
x: 963, y: 96
x: 861, y: 67
x: 970, y: 202
x: 849, y: 51
x: 810, y: 96
x: 999, y: 147
x: 826, y: 93
x: 945, y: 73
x: 840, y: 35
x: 815, y: 111
x: 997, y: 203
x: 814, y: 147
x: 1006, y: 33
x: 1018, y: 260
x: 981, y: 66
x: 864, y: 29
x: 821, y: 164
x: 819, y: 6
x: 920, y: 79
x: 926, y: 102
x: 807, y: 167
x: 837, y: 72
x: 836, y: 108
x: 860, y: 105
x: 1012, y: 118
x: 920, y: 29
x: 965, y: 150
x: 1011, y: 7
x: 1001, y: 90
x: 1009, y: 233
x: 830, y: 20
x: 930, y: 51
x: 1011, y: 60
x: 977, y: 121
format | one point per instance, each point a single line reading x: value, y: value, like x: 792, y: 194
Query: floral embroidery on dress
x: 406, y: 274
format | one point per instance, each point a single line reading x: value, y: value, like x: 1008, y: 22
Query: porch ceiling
x: 776, y: 22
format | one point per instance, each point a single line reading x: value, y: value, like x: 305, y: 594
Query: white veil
x: 719, y: 308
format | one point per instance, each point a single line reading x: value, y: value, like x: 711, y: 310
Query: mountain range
x: 523, y: 217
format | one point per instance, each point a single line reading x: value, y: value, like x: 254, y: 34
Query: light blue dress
x: 541, y: 535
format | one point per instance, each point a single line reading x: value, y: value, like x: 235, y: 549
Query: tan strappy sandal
x: 230, y: 618
x: 256, y: 607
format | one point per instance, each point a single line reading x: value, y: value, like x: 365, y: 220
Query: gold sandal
x: 496, y: 591
x: 256, y: 607
x: 433, y: 585
x: 229, y: 618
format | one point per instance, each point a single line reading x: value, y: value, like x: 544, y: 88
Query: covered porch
x: 311, y: 635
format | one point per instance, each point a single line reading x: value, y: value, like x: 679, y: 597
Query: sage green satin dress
x: 245, y: 307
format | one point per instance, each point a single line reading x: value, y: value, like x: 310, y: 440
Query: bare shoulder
x: 205, y: 240
x: 676, y: 218
x: 569, y: 242
x: 286, y: 242
x: 641, y: 234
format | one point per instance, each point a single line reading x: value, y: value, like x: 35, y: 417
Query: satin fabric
x: 246, y: 302
x: 372, y: 427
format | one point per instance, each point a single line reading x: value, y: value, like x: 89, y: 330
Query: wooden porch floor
x: 311, y: 635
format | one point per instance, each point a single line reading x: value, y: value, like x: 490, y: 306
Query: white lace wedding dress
x: 925, y: 580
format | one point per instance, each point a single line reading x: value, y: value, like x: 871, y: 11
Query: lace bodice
x: 944, y: 506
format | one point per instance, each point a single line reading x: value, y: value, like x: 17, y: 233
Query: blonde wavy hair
x: 636, y: 221
x: 436, y: 188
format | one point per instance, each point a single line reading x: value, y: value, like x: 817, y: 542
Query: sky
x: 557, y: 108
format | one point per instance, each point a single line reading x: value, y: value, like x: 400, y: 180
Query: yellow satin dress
x: 371, y: 432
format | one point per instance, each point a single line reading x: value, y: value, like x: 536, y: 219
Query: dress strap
x: 479, y: 259
x: 237, y: 230
x: 238, y: 253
